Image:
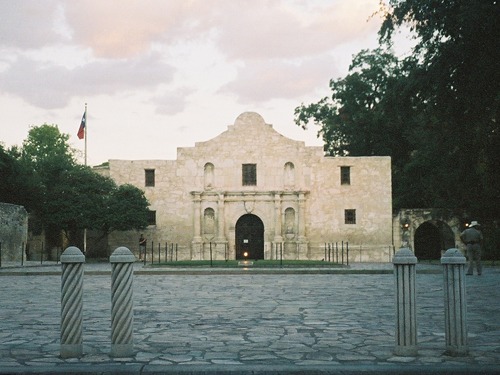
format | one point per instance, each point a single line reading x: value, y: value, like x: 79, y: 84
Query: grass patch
x: 256, y: 264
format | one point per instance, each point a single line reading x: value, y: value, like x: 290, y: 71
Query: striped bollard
x: 122, y: 315
x: 455, y: 307
x: 72, y: 261
x: 406, y: 317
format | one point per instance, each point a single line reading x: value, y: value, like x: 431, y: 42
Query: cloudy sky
x: 159, y: 74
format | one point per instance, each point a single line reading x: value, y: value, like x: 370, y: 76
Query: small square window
x: 350, y: 216
x: 149, y: 177
x: 151, y: 217
x: 249, y: 174
x: 345, y: 175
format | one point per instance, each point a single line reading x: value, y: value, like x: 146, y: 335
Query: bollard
x: 72, y: 261
x: 406, y: 320
x: 122, y: 315
x: 454, y: 302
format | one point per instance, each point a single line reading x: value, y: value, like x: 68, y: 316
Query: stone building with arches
x: 251, y: 192
x: 428, y: 232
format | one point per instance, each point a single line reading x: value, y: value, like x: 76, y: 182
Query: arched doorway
x: 249, y: 237
x: 432, y: 238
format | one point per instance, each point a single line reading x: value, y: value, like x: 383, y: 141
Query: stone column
x: 197, y: 241
x: 277, y: 218
x: 301, y: 214
x: 406, y: 320
x: 72, y: 261
x: 221, y: 241
x: 455, y: 307
x: 122, y: 315
x: 221, y: 222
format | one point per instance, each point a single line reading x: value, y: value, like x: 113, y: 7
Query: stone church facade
x: 252, y: 193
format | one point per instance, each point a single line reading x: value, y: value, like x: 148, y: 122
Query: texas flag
x: 81, y: 131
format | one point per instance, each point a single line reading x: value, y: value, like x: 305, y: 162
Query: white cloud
x: 260, y: 81
x: 119, y: 29
x: 52, y: 86
x: 28, y: 23
x: 172, y: 102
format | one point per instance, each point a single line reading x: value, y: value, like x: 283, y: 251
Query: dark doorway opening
x: 431, y: 239
x: 249, y: 237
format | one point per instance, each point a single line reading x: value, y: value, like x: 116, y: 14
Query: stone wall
x: 298, y: 196
x: 13, y: 231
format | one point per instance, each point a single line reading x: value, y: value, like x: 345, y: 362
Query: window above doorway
x: 249, y: 174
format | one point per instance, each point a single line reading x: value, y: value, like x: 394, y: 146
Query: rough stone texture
x: 13, y: 231
x: 310, y: 190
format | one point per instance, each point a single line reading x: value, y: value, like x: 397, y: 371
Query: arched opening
x: 431, y: 239
x: 249, y: 237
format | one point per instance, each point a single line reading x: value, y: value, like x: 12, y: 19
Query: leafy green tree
x: 368, y: 113
x: 47, y: 152
x: 456, y: 81
x: 358, y: 118
x: 127, y: 208
x: 435, y: 112
x: 77, y: 201
x: 19, y: 185
x: 70, y: 197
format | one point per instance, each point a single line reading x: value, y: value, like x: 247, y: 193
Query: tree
x: 70, y: 197
x: 359, y: 116
x: 127, y: 208
x: 86, y: 200
x: 368, y: 113
x: 457, y: 83
x: 77, y: 201
x: 435, y: 112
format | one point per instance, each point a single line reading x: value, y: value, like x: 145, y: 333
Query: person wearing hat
x: 473, y: 239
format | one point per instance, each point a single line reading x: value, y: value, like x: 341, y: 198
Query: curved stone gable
x: 250, y: 131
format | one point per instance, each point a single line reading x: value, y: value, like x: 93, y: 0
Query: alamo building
x: 252, y: 190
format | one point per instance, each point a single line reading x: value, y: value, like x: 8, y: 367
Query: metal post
x: 281, y: 255
x: 406, y: 320
x: 152, y: 252
x: 347, y: 250
x: 210, y: 253
x: 166, y: 251
x: 72, y: 260
x: 122, y: 315
x: 342, y: 252
x: 176, y: 252
x: 159, y: 250
x: 455, y: 307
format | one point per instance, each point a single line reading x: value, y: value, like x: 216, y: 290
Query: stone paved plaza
x: 246, y: 322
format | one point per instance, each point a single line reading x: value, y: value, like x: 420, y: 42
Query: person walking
x: 473, y: 239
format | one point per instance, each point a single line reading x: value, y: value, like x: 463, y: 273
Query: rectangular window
x: 350, y: 216
x: 151, y: 217
x: 249, y: 174
x: 149, y: 177
x: 345, y: 175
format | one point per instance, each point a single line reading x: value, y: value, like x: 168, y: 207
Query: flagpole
x: 86, y: 133
x: 86, y: 136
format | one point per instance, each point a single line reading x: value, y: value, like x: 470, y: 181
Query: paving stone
x: 252, y: 320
